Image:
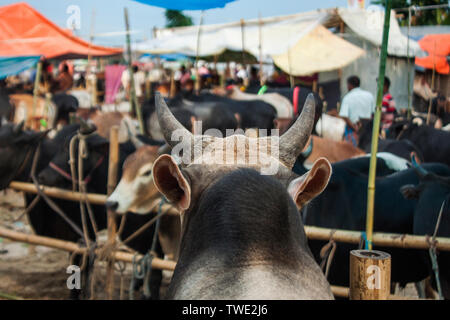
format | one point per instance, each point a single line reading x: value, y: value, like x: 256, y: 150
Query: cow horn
x: 136, y: 142
x: 169, y: 123
x: 421, y: 172
x: 295, y: 139
x: 19, y: 127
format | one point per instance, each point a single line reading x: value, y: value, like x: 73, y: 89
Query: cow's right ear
x: 171, y: 183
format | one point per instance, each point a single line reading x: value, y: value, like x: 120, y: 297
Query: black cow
x: 96, y: 171
x: 433, y: 144
x: 214, y: 111
x: 343, y: 206
x: 17, y: 148
x: 65, y: 104
x: 6, y: 109
x: 402, y: 148
x: 302, y: 93
x: 432, y: 194
x: 252, y: 113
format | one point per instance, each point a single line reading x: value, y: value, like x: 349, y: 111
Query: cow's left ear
x: 311, y: 184
x: 170, y: 182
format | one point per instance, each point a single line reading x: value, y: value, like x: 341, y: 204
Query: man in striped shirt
x: 388, y: 106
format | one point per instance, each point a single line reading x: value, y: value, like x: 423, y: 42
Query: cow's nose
x: 111, y: 205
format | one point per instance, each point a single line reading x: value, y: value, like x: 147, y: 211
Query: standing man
x: 388, y: 106
x: 357, y: 104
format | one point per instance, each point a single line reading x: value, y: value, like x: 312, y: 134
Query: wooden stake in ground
x: 112, y: 228
x: 370, y: 275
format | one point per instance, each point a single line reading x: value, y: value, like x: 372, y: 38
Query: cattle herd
x: 240, y: 231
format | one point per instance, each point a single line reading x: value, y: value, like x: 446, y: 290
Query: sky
x: 109, y: 14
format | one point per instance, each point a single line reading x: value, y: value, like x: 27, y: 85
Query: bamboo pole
x: 73, y: 247
x: 93, y: 198
x: 112, y: 227
x: 315, y: 233
x: 379, y: 239
x: 343, y: 292
x: 133, y: 99
x: 37, y: 79
x: 376, y: 126
x: 370, y: 275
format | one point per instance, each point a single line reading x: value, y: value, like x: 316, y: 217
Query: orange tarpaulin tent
x: 438, y: 48
x: 26, y: 32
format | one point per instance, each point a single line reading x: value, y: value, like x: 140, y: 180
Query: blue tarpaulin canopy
x: 187, y: 4
x: 10, y: 66
x: 167, y: 57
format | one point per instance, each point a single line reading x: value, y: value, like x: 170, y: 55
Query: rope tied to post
x: 143, y: 268
x: 367, y: 243
x: 433, y: 254
x: 327, y: 254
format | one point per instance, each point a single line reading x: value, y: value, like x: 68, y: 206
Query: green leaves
x: 175, y: 18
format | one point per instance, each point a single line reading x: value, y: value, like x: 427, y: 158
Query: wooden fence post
x: 112, y: 228
x: 370, y: 275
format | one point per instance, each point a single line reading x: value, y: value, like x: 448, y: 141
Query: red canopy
x: 25, y: 32
x: 438, y: 48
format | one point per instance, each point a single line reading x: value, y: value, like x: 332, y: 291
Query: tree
x: 422, y: 17
x: 175, y: 18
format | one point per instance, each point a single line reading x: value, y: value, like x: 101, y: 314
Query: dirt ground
x: 37, y: 272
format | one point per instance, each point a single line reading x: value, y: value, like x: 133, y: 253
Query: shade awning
x: 187, y: 4
x: 368, y: 24
x: 278, y: 34
x: 318, y: 51
x: 24, y: 31
x: 438, y: 48
x: 10, y: 66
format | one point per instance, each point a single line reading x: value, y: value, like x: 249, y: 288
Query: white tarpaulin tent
x: 278, y: 34
x: 300, y: 35
x: 318, y: 51
x: 368, y: 24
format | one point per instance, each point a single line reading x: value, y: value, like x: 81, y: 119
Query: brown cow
x: 333, y: 151
x: 23, y: 105
x: 137, y: 193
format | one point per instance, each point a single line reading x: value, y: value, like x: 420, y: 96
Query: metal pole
x: 376, y: 127
x: 133, y: 99
x: 197, y: 78
x: 432, y: 84
x: 260, y: 49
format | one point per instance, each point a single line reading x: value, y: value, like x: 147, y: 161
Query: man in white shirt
x: 357, y: 104
x: 139, y: 81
